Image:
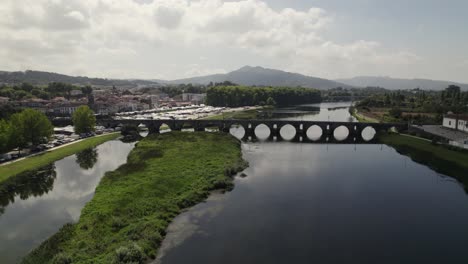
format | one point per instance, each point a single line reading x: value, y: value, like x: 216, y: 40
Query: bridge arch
x: 288, y: 132
x: 165, y: 127
x: 237, y: 130
x: 262, y: 131
x: 143, y: 129
x: 314, y: 133
x: 368, y: 133
x: 341, y: 133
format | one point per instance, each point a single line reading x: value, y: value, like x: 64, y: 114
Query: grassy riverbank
x: 132, y: 207
x: 361, y: 117
x: 440, y: 158
x: 41, y: 160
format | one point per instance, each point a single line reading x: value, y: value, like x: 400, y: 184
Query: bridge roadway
x: 275, y: 126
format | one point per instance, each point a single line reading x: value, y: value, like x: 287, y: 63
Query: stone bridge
x: 301, y: 128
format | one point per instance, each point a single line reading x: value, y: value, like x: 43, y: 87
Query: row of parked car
x: 58, y: 140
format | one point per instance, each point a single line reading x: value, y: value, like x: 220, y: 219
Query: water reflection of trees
x: 25, y: 185
x: 87, y: 158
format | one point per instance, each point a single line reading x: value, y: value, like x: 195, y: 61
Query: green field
x: 361, y: 118
x: 443, y: 159
x: 41, y: 160
x: 126, y: 220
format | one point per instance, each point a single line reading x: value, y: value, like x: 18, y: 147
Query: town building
x: 456, y: 121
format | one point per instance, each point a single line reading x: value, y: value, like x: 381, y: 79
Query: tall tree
x: 270, y: 101
x: 84, y: 120
x: 35, y: 126
x: 16, y: 137
x: 4, y: 136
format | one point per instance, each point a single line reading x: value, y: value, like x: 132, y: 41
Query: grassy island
x: 440, y: 158
x: 41, y: 160
x: 126, y: 220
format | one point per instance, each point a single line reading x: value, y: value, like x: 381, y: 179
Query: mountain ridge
x: 400, y: 83
x: 247, y: 75
x: 260, y: 76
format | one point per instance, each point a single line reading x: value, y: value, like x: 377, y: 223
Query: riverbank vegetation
x: 29, y: 127
x: 84, y: 120
x: 416, y: 106
x: 360, y: 117
x: 443, y: 159
x: 126, y: 220
x: 41, y: 160
x: 237, y: 96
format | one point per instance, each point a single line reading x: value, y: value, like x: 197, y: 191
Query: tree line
x: 237, y: 96
x: 31, y: 128
x: 417, y: 100
x: 53, y: 89
x: 418, y: 105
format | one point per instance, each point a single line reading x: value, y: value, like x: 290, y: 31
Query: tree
x: 4, y: 136
x: 16, y: 137
x: 87, y: 90
x: 26, y: 87
x: 84, y: 120
x: 395, y: 112
x: 35, y: 126
x: 270, y: 101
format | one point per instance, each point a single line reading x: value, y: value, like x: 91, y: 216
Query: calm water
x: 34, y: 206
x: 311, y: 203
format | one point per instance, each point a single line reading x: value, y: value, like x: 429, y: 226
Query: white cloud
x: 167, y: 38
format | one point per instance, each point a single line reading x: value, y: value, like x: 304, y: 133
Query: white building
x: 456, y: 122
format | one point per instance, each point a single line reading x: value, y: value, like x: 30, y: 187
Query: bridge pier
x: 274, y: 132
x: 249, y: 132
x: 153, y: 129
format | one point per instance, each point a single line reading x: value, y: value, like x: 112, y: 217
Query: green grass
x: 132, y: 207
x: 362, y: 118
x: 38, y: 161
x: 446, y: 160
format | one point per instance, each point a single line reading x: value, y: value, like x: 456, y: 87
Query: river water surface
x: 36, y: 205
x: 319, y: 203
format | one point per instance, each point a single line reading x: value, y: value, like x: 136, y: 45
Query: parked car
x: 5, y: 157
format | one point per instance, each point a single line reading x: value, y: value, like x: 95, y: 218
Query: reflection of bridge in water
x: 301, y: 128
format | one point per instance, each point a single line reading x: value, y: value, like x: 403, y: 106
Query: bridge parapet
x: 301, y: 127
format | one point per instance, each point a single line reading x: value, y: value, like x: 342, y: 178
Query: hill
x: 395, y: 83
x: 43, y: 78
x: 265, y: 77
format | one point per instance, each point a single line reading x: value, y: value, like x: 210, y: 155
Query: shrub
x: 131, y: 254
x: 62, y: 258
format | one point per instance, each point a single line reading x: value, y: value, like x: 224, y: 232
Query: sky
x: 171, y: 39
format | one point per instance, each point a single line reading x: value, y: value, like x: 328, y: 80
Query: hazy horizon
x: 175, y: 39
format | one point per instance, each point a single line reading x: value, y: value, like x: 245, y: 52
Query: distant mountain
x: 264, y: 77
x: 395, y: 84
x: 43, y: 78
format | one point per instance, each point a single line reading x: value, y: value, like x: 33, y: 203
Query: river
x: 36, y: 205
x: 319, y: 203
